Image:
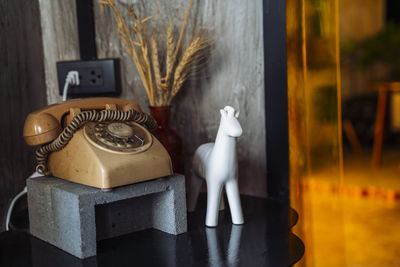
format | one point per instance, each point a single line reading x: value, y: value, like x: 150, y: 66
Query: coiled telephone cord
x: 78, y: 121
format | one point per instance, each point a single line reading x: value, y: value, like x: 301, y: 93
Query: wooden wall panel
x: 22, y: 90
x: 234, y: 74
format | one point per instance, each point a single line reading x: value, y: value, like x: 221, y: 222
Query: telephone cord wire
x: 78, y: 121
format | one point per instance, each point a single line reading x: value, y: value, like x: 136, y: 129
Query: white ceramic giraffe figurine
x: 217, y: 164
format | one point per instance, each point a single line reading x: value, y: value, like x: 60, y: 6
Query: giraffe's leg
x: 213, y: 201
x: 195, y: 186
x: 232, y: 192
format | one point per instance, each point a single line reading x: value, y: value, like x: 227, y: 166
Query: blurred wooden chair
x: 351, y: 135
x: 383, y: 89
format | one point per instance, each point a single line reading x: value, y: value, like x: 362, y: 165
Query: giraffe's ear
x: 223, y: 112
x: 237, y: 114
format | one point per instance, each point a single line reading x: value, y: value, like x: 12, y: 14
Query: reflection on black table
x: 264, y: 240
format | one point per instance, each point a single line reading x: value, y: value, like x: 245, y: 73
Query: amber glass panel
x: 315, y: 127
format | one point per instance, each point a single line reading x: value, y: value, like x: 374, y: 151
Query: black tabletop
x: 264, y: 240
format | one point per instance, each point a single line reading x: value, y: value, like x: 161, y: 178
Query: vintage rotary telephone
x: 100, y: 142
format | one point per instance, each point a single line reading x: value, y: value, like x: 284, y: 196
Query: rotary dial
x: 118, y: 136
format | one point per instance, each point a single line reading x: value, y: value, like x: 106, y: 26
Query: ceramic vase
x: 168, y: 137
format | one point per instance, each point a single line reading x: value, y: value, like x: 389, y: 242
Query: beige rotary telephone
x: 100, y: 142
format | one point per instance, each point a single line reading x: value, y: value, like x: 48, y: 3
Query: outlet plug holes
x: 96, y: 77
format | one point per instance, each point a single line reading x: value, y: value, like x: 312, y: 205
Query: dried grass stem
x: 160, y: 90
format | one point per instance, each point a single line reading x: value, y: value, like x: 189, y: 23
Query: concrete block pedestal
x: 73, y: 217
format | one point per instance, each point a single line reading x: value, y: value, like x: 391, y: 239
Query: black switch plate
x: 97, y: 77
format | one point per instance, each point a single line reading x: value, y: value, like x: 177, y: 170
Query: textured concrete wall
x: 234, y: 74
x: 60, y: 40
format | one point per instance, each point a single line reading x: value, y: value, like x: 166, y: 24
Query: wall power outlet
x: 97, y: 77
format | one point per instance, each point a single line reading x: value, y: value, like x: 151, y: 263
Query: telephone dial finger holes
x: 140, y: 139
x: 119, y: 137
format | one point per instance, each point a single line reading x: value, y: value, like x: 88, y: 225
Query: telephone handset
x: 101, y: 142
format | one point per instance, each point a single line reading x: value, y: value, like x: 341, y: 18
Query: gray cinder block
x: 73, y: 216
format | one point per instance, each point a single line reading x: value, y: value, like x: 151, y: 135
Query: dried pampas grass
x: 160, y: 89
